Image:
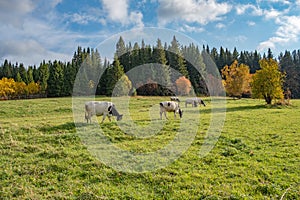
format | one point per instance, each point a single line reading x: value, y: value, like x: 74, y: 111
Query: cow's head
x: 113, y: 111
x: 180, y: 113
x: 119, y: 117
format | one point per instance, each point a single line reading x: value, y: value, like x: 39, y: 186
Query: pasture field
x: 257, y: 155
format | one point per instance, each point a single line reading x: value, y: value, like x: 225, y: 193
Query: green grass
x: 256, y: 157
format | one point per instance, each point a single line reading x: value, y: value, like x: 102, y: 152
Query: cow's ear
x: 169, y: 103
x: 109, y: 108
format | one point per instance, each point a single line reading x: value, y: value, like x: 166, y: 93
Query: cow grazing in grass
x: 175, y: 99
x: 170, y: 106
x: 194, y: 101
x: 99, y: 108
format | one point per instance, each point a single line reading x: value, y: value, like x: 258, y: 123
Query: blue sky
x: 36, y: 30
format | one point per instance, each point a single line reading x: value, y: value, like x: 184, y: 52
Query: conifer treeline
x: 57, y: 78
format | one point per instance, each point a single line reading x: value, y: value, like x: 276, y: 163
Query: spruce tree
x: 43, y: 76
x: 162, y: 71
x: 114, y: 73
x: 176, y: 60
x: 56, y: 79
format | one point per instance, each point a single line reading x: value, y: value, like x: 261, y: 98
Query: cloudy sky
x: 36, y: 30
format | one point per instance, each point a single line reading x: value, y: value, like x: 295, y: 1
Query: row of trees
x: 161, y: 69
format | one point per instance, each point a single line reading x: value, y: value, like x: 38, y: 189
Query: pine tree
x: 56, y: 79
x: 7, y: 70
x: 30, y: 75
x: 18, y: 77
x: 270, y: 54
x: 114, y: 73
x: 176, y: 60
x: 35, y: 74
x: 23, y: 73
x: 288, y: 66
x: 43, y: 76
x: 235, y: 54
x: 196, y: 68
x: 162, y: 71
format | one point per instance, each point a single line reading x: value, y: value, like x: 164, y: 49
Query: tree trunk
x: 268, y: 99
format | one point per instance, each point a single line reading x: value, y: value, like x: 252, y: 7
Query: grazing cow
x: 175, y: 99
x: 170, y: 106
x: 99, y: 108
x: 194, y: 101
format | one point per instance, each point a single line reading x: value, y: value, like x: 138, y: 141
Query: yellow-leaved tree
x: 7, y: 87
x: 236, y: 79
x: 268, y: 81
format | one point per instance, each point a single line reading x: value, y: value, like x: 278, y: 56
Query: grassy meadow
x: 257, y: 155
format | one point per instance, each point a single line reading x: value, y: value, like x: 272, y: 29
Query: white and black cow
x: 194, y: 101
x: 99, y: 108
x: 170, y: 106
x: 175, y: 99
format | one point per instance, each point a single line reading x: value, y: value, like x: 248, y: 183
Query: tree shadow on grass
x: 226, y: 110
x: 69, y: 126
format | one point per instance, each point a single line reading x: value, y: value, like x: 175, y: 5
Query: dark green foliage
x: 196, y: 68
x: 56, y: 79
x: 114, y: 73
x: 23, y: 73
x: 43, y: 76
x: 30, y: 75
x: 176, y: 60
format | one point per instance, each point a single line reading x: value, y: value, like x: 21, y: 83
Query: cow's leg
x: 165, y: 113
x: 88, y: 117
x: 185, y: 104
x: 109, y: 118
x: 104, y: 115
x: 174, y: 114
x: 160, y: 114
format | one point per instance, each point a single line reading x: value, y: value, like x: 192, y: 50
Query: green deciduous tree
x: 267, y: 82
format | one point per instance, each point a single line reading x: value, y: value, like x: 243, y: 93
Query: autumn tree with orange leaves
x: 236, y: 79
x: 183, y: 85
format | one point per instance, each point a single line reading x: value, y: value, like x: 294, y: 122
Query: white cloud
x: 287, y: 32
x: 272, y: 13
x: 191, y: 11
x: 242, y: 9
x: 251, y: 23
x: 81, y: 18
x: 286, y: 2
x: 255, y: 10
x: 193, y: 29
x: 220, y: 26
x: 117, y: 11
x: 13, y: 12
